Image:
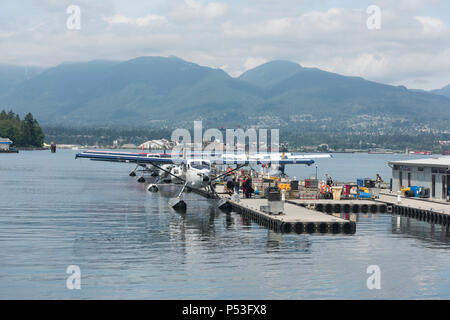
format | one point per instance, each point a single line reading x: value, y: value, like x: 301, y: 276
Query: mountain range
x: 148, y: 89
x: 445, y: 91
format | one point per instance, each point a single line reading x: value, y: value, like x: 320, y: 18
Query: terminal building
x: 431, y: 173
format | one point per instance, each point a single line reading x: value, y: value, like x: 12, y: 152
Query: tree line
x: 104, y: 136
x: 339, y: 140
x: 23, y: 133
x: 297, y: 137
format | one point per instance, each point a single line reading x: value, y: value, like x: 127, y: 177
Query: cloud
x: 413, y: 42
x: 141, y: 21
x: 306, y: 25
x: 214, y: 9
x: 196, y: 9
x: 6, y: 34
x: 431, y: 25
x: 277, y: 26
x: 252, y: 62
x: 332, y: 20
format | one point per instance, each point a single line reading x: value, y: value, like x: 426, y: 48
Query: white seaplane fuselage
x: 197, y: 173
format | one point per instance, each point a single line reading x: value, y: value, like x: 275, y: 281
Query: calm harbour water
x: 56, y: 211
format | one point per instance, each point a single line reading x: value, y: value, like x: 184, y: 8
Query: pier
x: 420, y: 209
x: 311, y: 216
x: 344, y: 206
x: 331, y: 216
x: 295, y: 218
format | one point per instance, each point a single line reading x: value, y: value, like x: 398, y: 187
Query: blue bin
x: 417, y: 190
x: 365, y: 195
x: 360, y: 182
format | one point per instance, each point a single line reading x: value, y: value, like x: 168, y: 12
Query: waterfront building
x: 432, y: 173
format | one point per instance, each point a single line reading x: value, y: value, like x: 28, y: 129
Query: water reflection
x: 130, y: 244
x: 229, y: 220
x: 424, y: 231
x: 274, y: 239
x: 196, y: 221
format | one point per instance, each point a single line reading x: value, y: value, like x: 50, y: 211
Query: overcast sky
x: 411, y: 48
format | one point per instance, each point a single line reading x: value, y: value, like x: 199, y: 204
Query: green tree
x: 26, y: 133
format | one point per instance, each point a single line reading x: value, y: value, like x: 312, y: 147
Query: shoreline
x: 32, y: 148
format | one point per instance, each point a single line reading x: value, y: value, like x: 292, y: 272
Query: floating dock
x: 312, y: 215
x: 344, y: 206
x: 319, y: 216
x: 419, y: 209
x: 295, y: 219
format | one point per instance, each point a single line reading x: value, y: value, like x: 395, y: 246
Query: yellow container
x: 284, y: 186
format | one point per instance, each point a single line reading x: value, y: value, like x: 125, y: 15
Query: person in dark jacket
x: 329, y: 180
x: 248, y: 187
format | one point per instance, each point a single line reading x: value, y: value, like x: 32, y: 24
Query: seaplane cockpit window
x: 200, y: 165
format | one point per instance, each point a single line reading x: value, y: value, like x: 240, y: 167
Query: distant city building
x: 432, y: 173
x: 5, y: 144
x: 67, y: 146
x: 129, y: 146
x: 161, y: 144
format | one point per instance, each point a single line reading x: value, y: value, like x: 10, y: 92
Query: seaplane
x: 195, y: 169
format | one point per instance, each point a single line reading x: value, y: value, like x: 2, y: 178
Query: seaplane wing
x: 259, y: 159
x: 279, y: 157
x: 177, y: 158
x: 309, y: 156
x: 128, y: 157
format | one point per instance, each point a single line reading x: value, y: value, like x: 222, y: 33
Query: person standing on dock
x: 329, y: 180
x: 228, y: 184
x: 379, y: 181
x: 248, y: 187
x: 236, y: 187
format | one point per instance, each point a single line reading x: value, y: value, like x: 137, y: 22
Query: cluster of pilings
x: 422, y: 215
